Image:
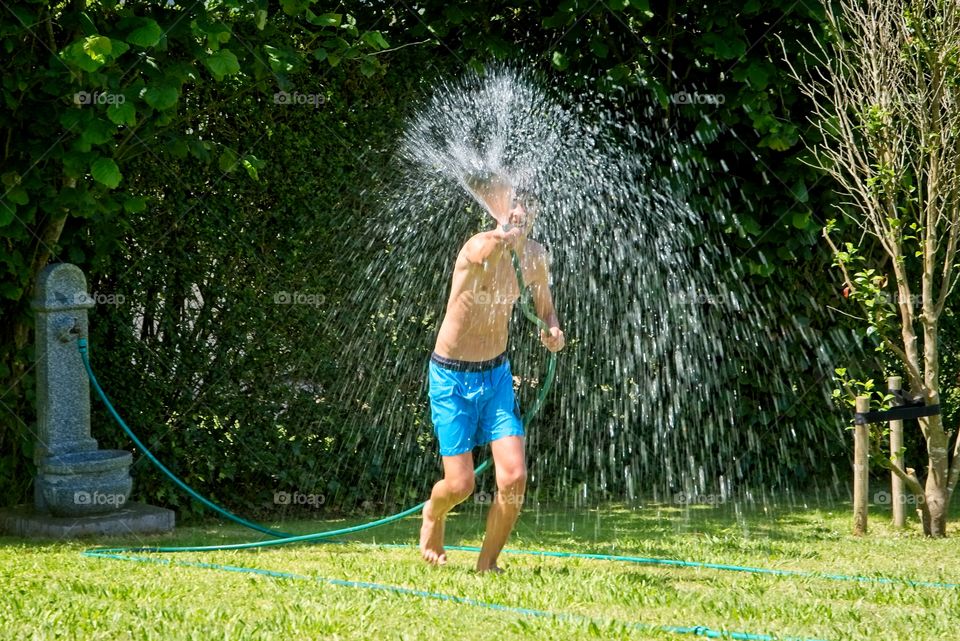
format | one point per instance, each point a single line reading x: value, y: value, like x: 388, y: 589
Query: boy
x: 471, y: 386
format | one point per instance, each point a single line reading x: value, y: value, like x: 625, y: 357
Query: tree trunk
x: 937, y: 502
x: 937, y: 476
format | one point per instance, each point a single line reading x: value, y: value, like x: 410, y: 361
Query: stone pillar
x: 74, y: 478
x: 63, y: 395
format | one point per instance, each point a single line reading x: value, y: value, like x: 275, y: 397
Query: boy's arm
x: 490, y: 245
x: 543, y: 301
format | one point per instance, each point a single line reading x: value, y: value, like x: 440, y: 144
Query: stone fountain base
x: 132, y: 518
x: 84, y: 483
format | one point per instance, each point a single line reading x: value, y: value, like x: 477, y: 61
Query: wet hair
x: 529, y: 200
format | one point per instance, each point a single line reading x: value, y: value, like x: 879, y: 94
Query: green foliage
x: 174, y: 159
x: 858, y: 387
x: 870, y: 291
x: 91, y: 90
x: 226, y: 253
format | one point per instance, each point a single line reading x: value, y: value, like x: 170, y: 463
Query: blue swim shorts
x: 472, y: 403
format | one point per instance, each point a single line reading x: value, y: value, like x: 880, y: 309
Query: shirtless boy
x: 471, y: 386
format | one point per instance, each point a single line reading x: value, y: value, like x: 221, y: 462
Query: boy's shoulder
x: 474, y: 243
x: 537, y: 252
x: 474, y: 247
x: 477, y: 238
x: 535, y: 248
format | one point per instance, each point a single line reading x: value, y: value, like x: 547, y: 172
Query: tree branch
x: 954, y: 474
x: 908, y: 477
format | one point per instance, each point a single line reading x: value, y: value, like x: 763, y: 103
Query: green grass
x: 49, y: 591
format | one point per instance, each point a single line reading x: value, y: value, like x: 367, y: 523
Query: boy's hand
x: 508, y: 237
x: 552, y: 340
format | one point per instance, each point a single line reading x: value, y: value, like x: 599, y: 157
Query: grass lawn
x: 50, y: 591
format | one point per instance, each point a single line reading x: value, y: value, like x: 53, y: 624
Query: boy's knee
x: 461, y: 486
x: 514, y: 478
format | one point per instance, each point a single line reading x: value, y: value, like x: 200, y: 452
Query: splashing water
x: 657, y: 319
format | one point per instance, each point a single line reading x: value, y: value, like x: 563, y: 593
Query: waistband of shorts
x: 468, y: 366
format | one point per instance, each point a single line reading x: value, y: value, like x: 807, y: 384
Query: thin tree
x: 884, y: 95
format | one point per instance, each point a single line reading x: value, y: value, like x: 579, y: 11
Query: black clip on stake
x: 910, y: 408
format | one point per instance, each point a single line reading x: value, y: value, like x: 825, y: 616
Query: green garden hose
x: 695, y: 630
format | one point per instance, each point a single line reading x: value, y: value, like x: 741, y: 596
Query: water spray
x: 505, y: 124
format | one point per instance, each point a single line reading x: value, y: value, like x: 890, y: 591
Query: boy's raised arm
x: 490, y: 244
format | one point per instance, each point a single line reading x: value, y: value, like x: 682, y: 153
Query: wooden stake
x: 861, y: 484
x: 897, y: 498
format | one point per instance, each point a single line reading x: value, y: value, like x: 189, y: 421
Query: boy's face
x: 523, y: 216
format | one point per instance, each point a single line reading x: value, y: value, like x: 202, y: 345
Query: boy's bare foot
x: 484, y: 567
x: 431, y: 537
x: 493, y: 569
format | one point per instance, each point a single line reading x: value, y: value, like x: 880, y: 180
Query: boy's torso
x: 481, y: 302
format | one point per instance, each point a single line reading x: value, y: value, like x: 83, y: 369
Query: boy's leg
x: 455, y: 486
x: 454, y: 416
x: 511, y: 471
